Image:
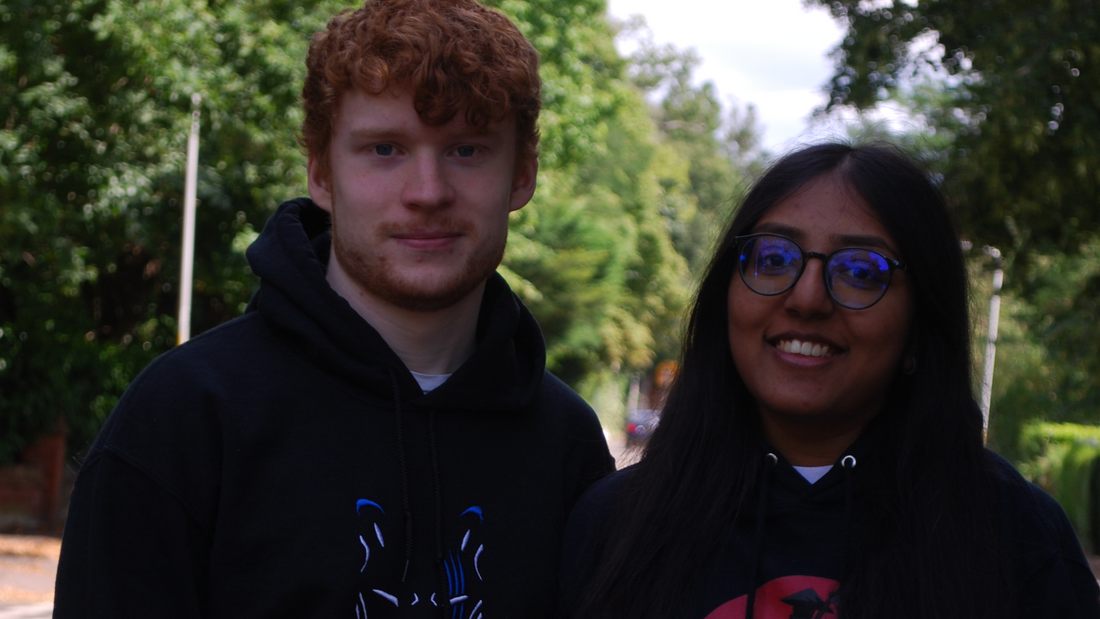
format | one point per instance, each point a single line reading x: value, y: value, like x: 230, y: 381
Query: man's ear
x: 320, y: 185
x: 523, y: 183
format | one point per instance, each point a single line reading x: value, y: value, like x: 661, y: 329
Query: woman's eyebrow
x: 840, y: 240
x: 780, y: 229
x: 861, y: 240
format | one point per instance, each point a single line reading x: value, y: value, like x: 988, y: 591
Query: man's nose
x: 428, y: 185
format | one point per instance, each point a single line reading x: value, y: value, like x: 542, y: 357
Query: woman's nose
x: 809, y: 297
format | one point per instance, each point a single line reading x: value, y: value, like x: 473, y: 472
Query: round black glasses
x: 856, y: 278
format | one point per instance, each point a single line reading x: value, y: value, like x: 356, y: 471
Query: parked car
x: 640, y: 423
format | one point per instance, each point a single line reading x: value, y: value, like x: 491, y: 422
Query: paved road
x: 40, y: 610
x: 28, y: 565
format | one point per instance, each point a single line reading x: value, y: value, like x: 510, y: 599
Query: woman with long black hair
x: 821, y: 452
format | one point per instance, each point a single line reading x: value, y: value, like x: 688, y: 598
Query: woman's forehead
x: 829, y: 212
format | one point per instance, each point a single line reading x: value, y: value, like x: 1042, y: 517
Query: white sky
x: 772, y: 53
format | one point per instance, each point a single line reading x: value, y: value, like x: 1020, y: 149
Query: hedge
x: 1064, y: 460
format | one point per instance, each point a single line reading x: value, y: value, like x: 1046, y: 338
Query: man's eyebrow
x: 374, y: 133
x: 382, y: 131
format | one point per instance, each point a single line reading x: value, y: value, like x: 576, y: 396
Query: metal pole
x: 187, y: 261
x: 991, y: 340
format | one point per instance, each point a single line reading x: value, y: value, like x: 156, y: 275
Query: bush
x: 1064, y: 460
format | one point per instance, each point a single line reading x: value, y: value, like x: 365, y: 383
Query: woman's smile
x: 805, y: 347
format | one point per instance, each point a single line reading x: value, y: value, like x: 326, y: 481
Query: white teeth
x: 809, y: 349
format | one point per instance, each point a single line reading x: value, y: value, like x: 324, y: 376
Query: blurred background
x: 657, y: 116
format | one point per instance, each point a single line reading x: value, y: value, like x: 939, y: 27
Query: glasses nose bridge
x: 806, y: 255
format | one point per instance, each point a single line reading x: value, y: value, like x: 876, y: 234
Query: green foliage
x: 591, y: 255
x: 717, y: 152
x: 96, y: 99
x: 1063, y: 459
x: 596, y: 267
x: 1024, y: 105
x: 1047, y: 364
x: 578, y: 58
x: 606, y: 252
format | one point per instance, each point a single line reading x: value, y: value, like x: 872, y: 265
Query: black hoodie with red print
x: 798, y: 547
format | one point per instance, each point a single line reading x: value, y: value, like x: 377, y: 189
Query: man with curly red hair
x: 377, y: 436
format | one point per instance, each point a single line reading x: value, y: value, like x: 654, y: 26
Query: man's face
x: 419, y: 213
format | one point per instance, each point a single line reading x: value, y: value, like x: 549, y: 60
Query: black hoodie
x: 795, y: 538
x: 287, y: 464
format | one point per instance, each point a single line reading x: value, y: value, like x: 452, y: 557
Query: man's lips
x: 427, y: 239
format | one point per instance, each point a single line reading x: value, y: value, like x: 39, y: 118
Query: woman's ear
x: 912, y: 350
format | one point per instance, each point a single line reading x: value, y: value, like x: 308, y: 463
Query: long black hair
x: 927, y: 541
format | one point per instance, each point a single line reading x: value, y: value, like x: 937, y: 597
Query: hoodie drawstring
x: 441, y: 567
x: 769, y: 463
x: 848, y: 463
x: 404, y: 475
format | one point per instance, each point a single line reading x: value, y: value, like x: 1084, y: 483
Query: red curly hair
x: 451, y: 55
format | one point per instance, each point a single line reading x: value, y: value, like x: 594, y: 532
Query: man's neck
x: 436, y: 342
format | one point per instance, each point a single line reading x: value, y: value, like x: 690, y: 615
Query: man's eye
x: 466, y: 151
x: 385, y: 150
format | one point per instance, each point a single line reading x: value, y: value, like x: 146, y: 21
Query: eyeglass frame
x: 893, y: 265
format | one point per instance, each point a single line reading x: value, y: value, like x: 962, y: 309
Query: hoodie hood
x: 291, y: 256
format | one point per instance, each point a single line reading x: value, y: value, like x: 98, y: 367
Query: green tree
x: 1023, y: 105
x: 1047, y: 359
x: 591, y: 255
x: 718, y: 152
x: 96, y: 99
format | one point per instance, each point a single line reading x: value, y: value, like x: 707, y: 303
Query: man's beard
x: 373, y: 273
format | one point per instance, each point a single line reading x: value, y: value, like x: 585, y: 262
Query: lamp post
x: 187, y: 260
x: 991, y: 339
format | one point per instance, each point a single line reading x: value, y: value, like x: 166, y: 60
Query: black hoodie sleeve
x: 129, y: 550
x: 1060, y: 584
x: 583, y: 546
x: 139, y: 534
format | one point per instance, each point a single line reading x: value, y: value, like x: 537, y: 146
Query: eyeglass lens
x: 855, y: 278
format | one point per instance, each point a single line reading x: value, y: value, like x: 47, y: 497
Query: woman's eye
x: 862, y: 268
x: 774, y: 260
x: 384, y: 150
x: 466, y: 151
x: 856, y: 270
x: 861, y: 273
